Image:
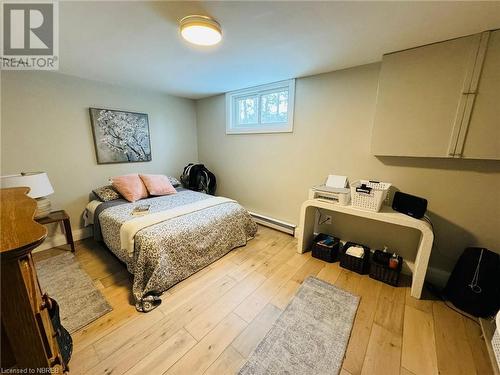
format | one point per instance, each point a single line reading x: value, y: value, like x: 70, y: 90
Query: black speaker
x: 409, y: 205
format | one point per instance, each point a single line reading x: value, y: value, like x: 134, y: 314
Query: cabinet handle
x: 57, y: 333
x: 46, y: 302
x: 57, y: 360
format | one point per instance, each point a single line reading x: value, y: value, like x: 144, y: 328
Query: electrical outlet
x: 327, y: 219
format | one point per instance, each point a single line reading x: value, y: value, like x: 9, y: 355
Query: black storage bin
x: 380, y: 270
x: 359, y: 265
x: 327, y: 253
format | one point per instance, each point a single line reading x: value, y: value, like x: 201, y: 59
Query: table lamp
x: 39, y: 185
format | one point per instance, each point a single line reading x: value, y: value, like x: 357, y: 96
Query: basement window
x: 261, y: 109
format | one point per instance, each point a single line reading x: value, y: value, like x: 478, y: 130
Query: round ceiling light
x: 201, y: 30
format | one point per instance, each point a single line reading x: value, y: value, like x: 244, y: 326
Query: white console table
x: 387, y: 215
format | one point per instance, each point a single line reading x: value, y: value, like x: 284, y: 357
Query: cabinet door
x: 419, y: 100
x: 482, y: 140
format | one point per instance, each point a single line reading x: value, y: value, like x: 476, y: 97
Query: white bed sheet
x: 88, y: 214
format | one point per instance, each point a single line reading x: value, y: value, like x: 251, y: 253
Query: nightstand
x: 56, y: 217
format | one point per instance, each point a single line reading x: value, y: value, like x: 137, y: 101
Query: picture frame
x: 120, y: 136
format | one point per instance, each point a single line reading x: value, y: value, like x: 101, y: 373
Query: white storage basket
x: 369, y: 195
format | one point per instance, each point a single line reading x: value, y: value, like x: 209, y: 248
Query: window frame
x: 232, y: 126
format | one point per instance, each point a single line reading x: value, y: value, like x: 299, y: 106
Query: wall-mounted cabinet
x: 482, y: 139
x: 440, y: 100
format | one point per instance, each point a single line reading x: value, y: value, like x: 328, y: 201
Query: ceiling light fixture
x: 200, y: 30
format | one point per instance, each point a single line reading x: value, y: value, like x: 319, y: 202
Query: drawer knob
x: 57, y: 360
x: 57, y: 333
x: 46, y: 302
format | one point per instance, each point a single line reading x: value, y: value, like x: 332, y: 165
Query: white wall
x: 46, y: 127
x: 271, y: 173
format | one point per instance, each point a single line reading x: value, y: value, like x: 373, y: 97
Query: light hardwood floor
x: 211, y: 322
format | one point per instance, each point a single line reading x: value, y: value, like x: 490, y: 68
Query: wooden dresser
x: 28, y: 338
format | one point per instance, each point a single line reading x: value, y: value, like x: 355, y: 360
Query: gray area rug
x: 311, y: 335
x: 79, y: 300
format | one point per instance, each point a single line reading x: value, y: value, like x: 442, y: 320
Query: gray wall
x: 271, y: 173
x: 46, y: 127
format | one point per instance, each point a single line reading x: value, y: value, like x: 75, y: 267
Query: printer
x: 334, y: 190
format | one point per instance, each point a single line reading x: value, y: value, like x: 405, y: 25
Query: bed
x: 192, y: 231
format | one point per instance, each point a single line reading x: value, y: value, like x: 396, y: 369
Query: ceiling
x: 138, y: 44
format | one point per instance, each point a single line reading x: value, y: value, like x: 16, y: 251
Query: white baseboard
x: 270, y: 222
x: 60, y: 239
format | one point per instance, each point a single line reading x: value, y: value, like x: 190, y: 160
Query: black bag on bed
x: 474, y: 284
x: 198, y: 178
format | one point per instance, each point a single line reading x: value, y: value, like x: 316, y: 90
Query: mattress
x: 170, y: 251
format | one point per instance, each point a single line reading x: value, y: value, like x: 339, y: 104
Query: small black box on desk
x: 326, y: 247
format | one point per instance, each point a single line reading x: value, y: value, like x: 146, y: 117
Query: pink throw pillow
x: 130, y: 186
x: 157, y: 184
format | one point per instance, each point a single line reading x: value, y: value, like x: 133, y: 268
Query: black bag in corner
x: 197, y: 177
x: 64, y: 340
x: 474, y: 284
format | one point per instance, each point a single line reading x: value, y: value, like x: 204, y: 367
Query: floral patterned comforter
x: 170, y: 251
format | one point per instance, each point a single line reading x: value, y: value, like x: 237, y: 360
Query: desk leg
x: 69, y: 234
x: 306, y: 230
x: 421, y: 263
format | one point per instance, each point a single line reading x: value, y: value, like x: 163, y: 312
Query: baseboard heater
x: 274, y: 223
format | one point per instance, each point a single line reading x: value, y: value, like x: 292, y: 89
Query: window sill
x: 259, y: 131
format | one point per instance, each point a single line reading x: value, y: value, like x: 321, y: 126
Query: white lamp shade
x: 38, y: 182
